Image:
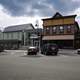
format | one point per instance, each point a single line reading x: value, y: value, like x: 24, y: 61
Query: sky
x: 14, y: 12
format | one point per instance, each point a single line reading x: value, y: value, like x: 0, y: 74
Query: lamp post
x: 38, y: 34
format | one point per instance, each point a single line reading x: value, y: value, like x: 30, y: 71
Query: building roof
x: 19, y: 27
x: 57, y: 15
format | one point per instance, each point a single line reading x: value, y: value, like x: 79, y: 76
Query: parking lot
x: 16, y: 65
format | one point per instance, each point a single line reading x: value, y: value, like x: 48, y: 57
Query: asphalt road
x: 17, y: 66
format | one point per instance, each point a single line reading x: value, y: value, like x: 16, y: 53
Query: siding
x: 12, y: 35
x: 58, y: 22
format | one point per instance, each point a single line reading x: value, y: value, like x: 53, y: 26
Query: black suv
x: 49, y: 49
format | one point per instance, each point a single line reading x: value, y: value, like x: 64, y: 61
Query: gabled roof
x: 19, y: 27
x: 57, y: 15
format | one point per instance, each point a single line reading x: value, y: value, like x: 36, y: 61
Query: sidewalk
x: 68, y: 51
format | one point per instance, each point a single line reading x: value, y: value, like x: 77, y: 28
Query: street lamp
x: 38, y: 34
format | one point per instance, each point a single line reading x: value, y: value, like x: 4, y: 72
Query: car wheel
x: 28, y: 54
x: 78, y: 52
x: 42, y: 52
x: 47, y: 53
x: 35, y: 53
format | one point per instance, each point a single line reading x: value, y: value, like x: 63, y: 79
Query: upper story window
x: 61, y: 29
x: 69, y: 28
x: 47, y: 30
x: 53, y: 29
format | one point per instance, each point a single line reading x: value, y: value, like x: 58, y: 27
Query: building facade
x: 60, y: 30
x: 14, y: 37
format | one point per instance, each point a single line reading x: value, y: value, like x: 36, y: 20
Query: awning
x: 58, y: 37
x: 34, y: 36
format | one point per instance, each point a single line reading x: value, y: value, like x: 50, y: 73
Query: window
x: 54, y: 29
x: 61, y: 28
x: 47, y: 30
x: 17, y: 35
x: 68, y: 28
x: 7, y: 35
x: 12, y: 35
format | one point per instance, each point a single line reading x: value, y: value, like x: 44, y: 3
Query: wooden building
x: 16, y: 36
x: 60, y: 30
x: 19, y: 36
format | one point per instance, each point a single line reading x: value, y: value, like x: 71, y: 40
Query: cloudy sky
x: 28, y: 11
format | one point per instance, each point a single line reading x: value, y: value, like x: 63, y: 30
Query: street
x: 16, y: 65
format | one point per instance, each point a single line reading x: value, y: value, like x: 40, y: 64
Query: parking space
x: 68, y: 52
x: 16, y: 65
x: 64, y: 52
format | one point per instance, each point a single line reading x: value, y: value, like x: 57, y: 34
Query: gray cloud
x: 35, y: 7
